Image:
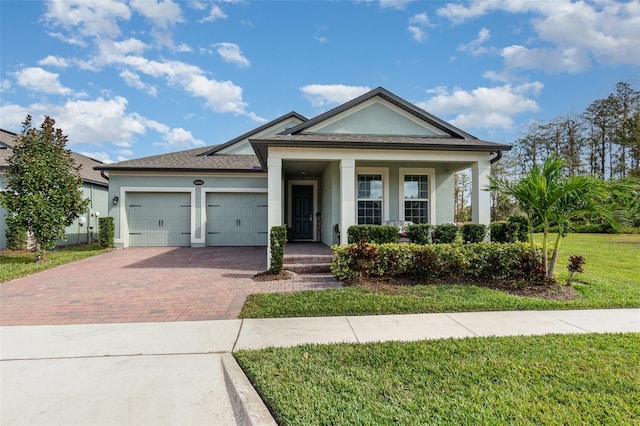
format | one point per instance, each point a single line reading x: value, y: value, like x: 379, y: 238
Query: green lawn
x: 611, y: 280
x: 555, y: 380
x: 19, y: 264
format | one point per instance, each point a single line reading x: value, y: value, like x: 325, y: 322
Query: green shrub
x: 445, y: 234
x: 420, y: 233
x: 473, y: 232
x: 479, y: 261
x: 522, y: 230
x: 106, y: 231
x: 504, y: 232
x: 16, y: 236
x: 278, y: 240
x: 378, y: 234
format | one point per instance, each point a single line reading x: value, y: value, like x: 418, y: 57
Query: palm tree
x: 549, y: 198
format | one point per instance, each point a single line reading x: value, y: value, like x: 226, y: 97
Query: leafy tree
x: 42, y: 190
x: 551, y: 199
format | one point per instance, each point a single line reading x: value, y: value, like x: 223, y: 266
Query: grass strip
x: 554, y: 379
x: 19, y: 264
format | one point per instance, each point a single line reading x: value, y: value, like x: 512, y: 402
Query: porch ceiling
x: 301, y: 169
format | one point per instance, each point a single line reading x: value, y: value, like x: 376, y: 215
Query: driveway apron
x: 145, y: 284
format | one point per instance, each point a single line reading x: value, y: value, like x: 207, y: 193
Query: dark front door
x: 302, y: 200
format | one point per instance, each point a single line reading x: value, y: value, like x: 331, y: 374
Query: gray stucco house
x: 375, y: 158
x: 95, y: 187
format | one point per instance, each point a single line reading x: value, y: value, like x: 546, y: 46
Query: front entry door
x: 302, y: 200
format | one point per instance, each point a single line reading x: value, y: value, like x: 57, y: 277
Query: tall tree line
x: 603, y: 141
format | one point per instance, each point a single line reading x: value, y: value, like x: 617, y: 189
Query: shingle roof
x: 87, y: 172
x: 189, y: 160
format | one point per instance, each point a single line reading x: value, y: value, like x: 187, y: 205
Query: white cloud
x: 163, y: 13
x: 5, y: 84
x: 133, y: 80
x: 476, y: 46
x: 98, y: 122
x: 321, y: 95
x: 214, y: 14
x: 230, y: 52
x: 417, y: 33
x: 550, y: 60
x: 53, y: 61
x: 577, y: 31
x: 417, y: 25
x: 483, y: 107
x: 88, y: 17
x: 198, y: 5
x: 37, y: 79
x: 394, y: 4
x: 99, y: 155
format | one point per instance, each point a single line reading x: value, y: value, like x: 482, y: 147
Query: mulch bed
x: 397, y: 286
x: 270, y: 276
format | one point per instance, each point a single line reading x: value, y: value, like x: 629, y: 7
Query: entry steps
x: 308, y: 263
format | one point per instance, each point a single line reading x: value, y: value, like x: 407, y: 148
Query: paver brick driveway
x: 145, y: 284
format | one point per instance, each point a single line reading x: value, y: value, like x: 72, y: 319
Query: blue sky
x: 128, y: 79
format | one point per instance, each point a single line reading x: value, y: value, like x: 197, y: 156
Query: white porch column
x: 480, y: 199
x: 347, y: 197
x: 274, y: 198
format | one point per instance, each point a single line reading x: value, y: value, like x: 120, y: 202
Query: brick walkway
x: 145, y: 284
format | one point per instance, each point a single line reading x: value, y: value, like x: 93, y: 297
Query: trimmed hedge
x: 420, y: 233
x: 445, y: 234
x: 522, y: 234
x: 106, y: 231
x: 504, y: 232
x: 378, y: 234
x: 278, y: 239
x: 480, y: 261
x: 473, y: 232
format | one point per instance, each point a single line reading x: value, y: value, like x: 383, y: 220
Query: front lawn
x: 555, y: 379
x: 611, y: 280
x: 19, y: 264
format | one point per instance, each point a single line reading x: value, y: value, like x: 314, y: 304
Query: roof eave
x: 177, y: 169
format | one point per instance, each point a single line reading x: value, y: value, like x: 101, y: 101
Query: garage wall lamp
x: 115, y: 200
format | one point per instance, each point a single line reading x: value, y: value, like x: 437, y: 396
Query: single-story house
x: 95, y: 187
x: 373, y: 159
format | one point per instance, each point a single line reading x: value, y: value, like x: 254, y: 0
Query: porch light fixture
x: 198, y: 182
x: 115, y: 200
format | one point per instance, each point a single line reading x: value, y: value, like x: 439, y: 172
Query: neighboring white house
x: 373, y: 159
x: 94, y: 187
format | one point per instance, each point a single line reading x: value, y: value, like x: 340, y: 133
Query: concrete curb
x: 248, y: 407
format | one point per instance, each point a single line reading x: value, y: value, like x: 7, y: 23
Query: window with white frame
x: 369, y: 195
x: 416, y: 198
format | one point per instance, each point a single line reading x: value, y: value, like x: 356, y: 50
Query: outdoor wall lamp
x: 115, y: 200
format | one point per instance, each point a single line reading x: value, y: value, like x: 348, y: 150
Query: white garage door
x: 159, y: 219
x: 236, y: 219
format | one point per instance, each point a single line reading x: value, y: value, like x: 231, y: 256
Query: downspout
x: 496, y: 158
x: 104, y: 175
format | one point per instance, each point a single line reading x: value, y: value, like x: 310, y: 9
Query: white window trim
x: 384, y: 171
x: 431, y: 173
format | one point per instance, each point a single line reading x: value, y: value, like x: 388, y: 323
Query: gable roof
x: 452, y: 139
x: 214, y: 159
x: 195, y: 159
x: 87, y: 171
x: 253, y: 132
x: 205, y: 158
x: 389, y: 97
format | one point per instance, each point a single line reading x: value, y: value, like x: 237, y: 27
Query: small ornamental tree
x: 42, y: 188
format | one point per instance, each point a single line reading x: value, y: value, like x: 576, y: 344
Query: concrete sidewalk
x: 182, y: 372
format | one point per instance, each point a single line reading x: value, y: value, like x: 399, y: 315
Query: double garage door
x: 164, y: 219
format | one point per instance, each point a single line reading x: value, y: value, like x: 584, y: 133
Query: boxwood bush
x: 278, y: 240
x: 420, y: 233
x: 106, y: 231
x: 379, y: 234
x: 466, y: 262
x: 445, y: 233
x: 473, y: 232
x: 504, y: 232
